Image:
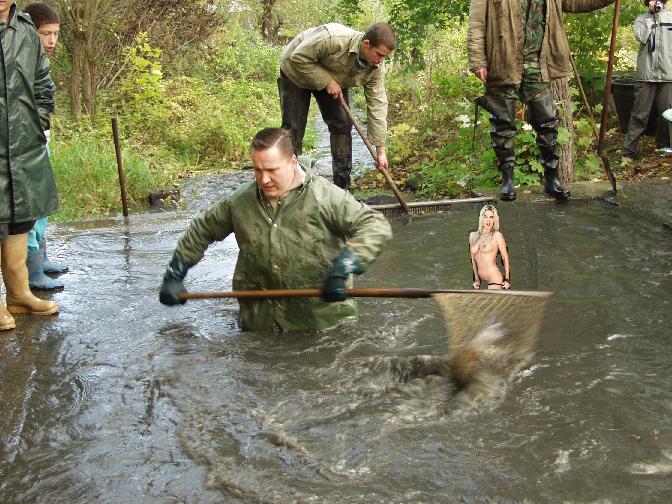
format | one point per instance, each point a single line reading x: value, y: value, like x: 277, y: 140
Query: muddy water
x: 362, y: 161
x: 119, y: 399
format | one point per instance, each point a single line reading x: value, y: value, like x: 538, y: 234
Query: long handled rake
x: 415, y: 207
x: 605, y: 160
x: 372, y: 150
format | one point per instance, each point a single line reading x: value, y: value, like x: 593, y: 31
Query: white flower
x: 464, y: 119
x: 527, y: 127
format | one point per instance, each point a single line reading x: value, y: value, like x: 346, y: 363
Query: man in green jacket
x: 27, y: 185
x: 294, y: 230
x: 516, y: 47
x: 325, y: 61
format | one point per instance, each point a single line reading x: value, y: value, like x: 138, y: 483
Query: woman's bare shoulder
x: 473, y: 236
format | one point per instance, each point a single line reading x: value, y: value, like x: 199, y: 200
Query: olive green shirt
x: 291, y: 248
x: 318, y: 55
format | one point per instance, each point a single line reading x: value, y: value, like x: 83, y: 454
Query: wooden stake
x: 120, y: 165
x: 607, y: 90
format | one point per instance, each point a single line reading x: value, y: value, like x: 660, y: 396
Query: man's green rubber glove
x: 173, y: 282
x: 344, y: 265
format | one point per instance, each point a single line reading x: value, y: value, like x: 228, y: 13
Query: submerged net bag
x: 494, y: 328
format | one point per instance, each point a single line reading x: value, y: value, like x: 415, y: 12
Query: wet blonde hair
x: 481, y: 216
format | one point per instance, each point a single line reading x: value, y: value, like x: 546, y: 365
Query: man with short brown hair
x: 295, y: 230
x: 324, y: 62
x: 48, y: 24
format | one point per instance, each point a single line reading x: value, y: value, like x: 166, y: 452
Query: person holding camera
x: 653, y: 30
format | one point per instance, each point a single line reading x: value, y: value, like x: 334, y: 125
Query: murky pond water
x: 120, y: 399
x: 362, y: 161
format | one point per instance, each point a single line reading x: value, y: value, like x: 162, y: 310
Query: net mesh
x: 499, y: 326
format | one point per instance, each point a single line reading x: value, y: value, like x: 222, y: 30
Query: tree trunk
x: 82, y: 16
x: 563, y: 100
x: 90, y: 75
x: 266, y: 24
x: 76, y: 79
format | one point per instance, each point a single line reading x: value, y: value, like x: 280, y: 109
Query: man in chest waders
x: 516, y: 47
x: 295, y: 230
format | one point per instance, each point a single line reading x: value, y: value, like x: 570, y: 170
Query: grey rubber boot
x: 47, y: 265
x: 37, y: 280
x: 543, y: 119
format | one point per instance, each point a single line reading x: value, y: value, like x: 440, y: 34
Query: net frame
x: 479, y: 323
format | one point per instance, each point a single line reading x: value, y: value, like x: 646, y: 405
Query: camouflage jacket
x: 496, y: 38
x: 292, y: 248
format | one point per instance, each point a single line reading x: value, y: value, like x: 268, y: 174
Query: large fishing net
x: 496, y: 327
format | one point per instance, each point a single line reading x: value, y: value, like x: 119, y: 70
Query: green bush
x: 85, y: 168
x: 206, y: 123
x: 240, y: 53
x: 432, y: 135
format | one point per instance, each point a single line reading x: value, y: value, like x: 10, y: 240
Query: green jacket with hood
x: 292, y: 248
x: 27, y: 185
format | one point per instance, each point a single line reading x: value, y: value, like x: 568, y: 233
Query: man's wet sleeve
x: 213, y: 224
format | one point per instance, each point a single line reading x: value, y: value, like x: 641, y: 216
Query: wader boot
x: 545, y: 123
x: 15, y: 273
x: 503, y: 129
x: 37, y: 280
x: 6, y: 319
x: 341, y: 159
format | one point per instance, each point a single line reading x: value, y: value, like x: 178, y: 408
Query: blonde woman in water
x: 484, y: 246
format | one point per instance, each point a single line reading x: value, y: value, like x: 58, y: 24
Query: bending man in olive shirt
x: 324, y: 62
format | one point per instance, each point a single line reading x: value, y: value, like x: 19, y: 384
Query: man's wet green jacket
x: 291, y: 248
x: 27, y: 185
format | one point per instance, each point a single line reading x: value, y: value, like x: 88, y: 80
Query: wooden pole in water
x: 362, y: 292
x: 120, y: 165
x: 372, y: 150
x: 607, y: 93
